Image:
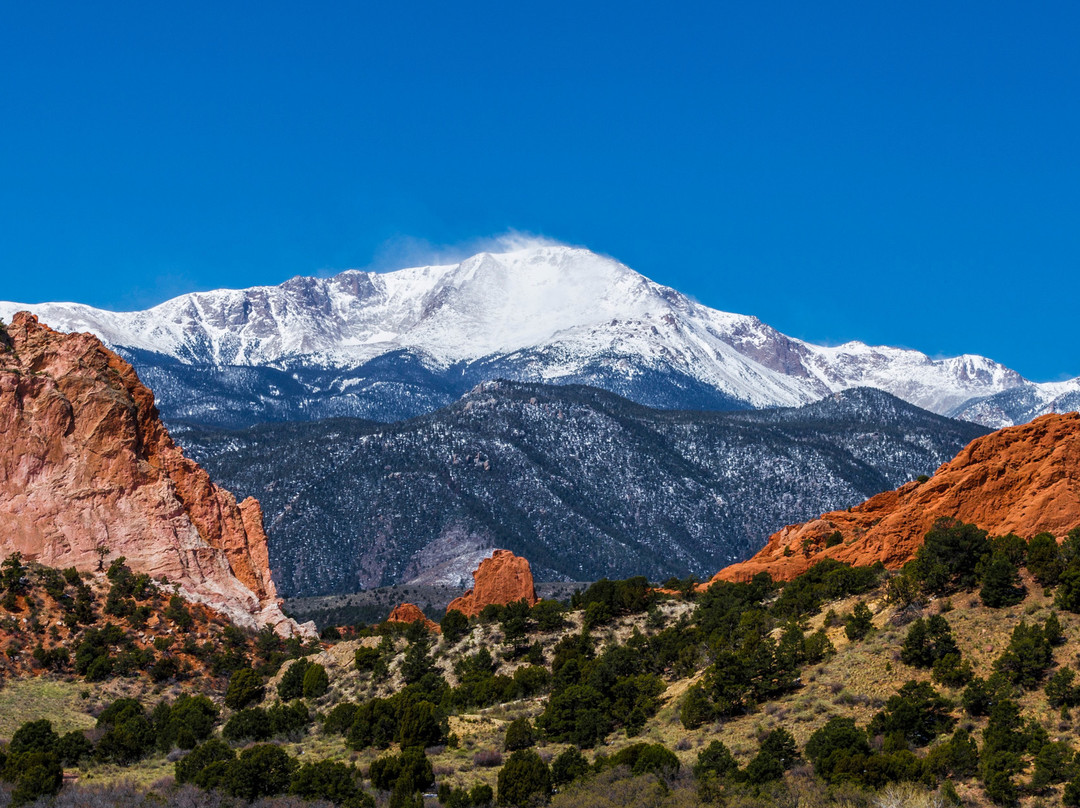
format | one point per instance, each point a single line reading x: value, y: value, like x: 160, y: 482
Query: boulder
x: 410, y: 613
x: 501, y: 579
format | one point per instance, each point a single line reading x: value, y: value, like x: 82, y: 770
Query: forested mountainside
x: 582, y: 482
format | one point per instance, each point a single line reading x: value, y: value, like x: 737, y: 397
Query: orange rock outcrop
x: 1024, y: 480
x: 410, y: 613
x: 501, y: 579
x: 88, y: 471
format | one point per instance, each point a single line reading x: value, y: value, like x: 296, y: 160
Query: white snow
x: 568, y: 305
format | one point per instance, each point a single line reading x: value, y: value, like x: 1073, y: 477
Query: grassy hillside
x: 951, y: 682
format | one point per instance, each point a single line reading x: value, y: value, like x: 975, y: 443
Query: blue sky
x: 899, y: 173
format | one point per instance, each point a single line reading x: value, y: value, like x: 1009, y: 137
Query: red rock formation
x: 410, y: 613
x: 501, y: 579
x: 1024, y: 480
x: 86, y: 466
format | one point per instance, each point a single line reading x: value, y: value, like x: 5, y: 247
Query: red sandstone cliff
x: 85, y: 464
x: 501, y: 579
x: 410, y: 613
x: 1024, y: 480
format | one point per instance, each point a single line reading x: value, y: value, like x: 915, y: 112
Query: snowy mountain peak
x: 420, y: 336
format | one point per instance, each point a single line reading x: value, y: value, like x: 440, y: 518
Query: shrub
x: 519, y: 735
x: 524, y: 777
x: 340, y: 718
x: 917, y: 711
x: 261, y: 771
x: 454, y: 625
x: 73, y: 748
x: 927, y: 641
x: 250, y: 724
x: 1060, y: 690
x: 950, y: 555
x: 191, y: 767
x: 331, y: 781
x: 859, y: 623
x: 33, y: 736
x: 1044, y: 559
x: 291, y: 684
x: 831, y: 748
x: 777, y: 754
x: 316, y: 682
x: 568, y: 766
x: 1001, y: 583
x: 35, y: 774
x: 245, y: 688
x: 1028, y: 655
x: 411, y: 767
x: 128, y: 734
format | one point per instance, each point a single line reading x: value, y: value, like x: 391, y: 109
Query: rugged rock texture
x: 410, y: 613
x: 88, y: 471
x: 1024, y: 479
x: 504, y: 578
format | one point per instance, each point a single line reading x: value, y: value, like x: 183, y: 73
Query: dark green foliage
x: 188, y: 721
x: 519, y: 735
x: 375, y: 724
x: 1027, y: 657
x: 1044, y: 559
x: 367, y: 658
x: 340, y: 718
x: 917, y: 711
x: 1054, y: 764
x: 178, y: 613
x: 291, y: 684
x: 411, y: 767
x: 205, y: 765
x: 35, y: 774
x: 832, y: 747
x: 524, y: 777
x: 859, y: 623
x: 833, y: 539
x: 957, y: 757
x: 421, y: 725
x: 73, y: 748
x: 128, y: 736
x: 952, y: 671
x: 331, y: 781
x: 261, y: 771
x: 1000, y: 582
x: 249, y: 724
x: 646, y: 758
x: 245, y: 688
x: 981, y: 695
x: 715, y: 759
x: 927, y: 641
x: 609, y: 599
x: 33, y: 736
x: 568, y: 766
x: 288, y: 719
x: 531, y: 680
x: 515, y: 620
x: 417, y: 662
x: 777, y: 754
x: 549, y: 615
x: 950, y: 555
x: 827, y: 580
x: 454, y: 625
x: 577, y: 715
x: 1061, y: 690
x: 316, y: 682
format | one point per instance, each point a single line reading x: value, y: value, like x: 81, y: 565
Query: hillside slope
x: 583, y: 483
x: 1022, y: 480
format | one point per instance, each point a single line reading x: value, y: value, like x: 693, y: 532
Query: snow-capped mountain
x: 1018, y: 405
x: 396, y: 344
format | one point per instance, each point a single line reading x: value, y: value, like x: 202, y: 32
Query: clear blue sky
x: 900, y: 173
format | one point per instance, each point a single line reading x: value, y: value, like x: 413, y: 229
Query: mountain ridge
x: 392, y: 345
x: 548, y: 470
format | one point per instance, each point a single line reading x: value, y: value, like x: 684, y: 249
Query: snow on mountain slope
x: 1021, y: 404
x: 536, y: 313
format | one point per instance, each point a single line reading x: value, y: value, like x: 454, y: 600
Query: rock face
x: 410, y: 613
x: 88, y: 471
x: 1023, y: 479
x: 504, y: 578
